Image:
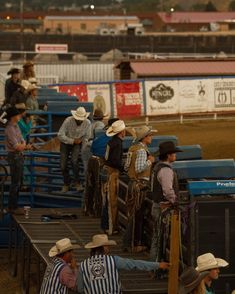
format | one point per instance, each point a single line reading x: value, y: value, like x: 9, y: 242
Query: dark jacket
x: 114, y: 153
x: 10, y: 88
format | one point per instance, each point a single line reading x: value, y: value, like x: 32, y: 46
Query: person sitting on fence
x: 21, y: 94
x: 93, y: 197
x: 113, y: 166
x: 12, y: 84
x: 164, y: 186
x: 191, y: 282
x: 207, y: 262
x: 32, y: 101
x: 28, y: 71
x: 15, y: 145
x: 61, y: 273
x: 74, y: 132
x: 138, y: 166
x: 100, y: 272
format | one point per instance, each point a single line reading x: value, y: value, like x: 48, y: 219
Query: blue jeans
x: 67, y: 150
x: 16, y: 163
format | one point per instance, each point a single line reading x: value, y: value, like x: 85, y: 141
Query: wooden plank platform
x: 42, y: 236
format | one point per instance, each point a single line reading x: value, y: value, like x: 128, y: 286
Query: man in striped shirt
x: 100, y: 272
x: 61, y: 273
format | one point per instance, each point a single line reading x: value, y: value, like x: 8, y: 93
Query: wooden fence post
x: 174, y: 254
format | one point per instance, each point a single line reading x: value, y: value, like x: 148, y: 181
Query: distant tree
x: 232, y: 5
x: 210, y: 7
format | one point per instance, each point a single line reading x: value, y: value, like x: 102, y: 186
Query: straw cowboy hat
x: 33, y: 80
x: 80, y: 113
x: 116, y: 128
x: 62, y: 246
x: 13, y: 71
x: 32, y: 87
x: 25, y: 84
x: 100, y: 240
x: 190, y: 279
x: 144, y: 131
x: 207, y: 261
x: 168, y: 147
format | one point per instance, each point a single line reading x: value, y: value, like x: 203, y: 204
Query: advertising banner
x: 193, y: 95
x: 162, y: 97
x: 80, y: 91
x: 224, y: 94
x: 99, y: 94
x: 128, y: 99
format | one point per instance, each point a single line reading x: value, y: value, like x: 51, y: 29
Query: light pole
x: 21, y: 24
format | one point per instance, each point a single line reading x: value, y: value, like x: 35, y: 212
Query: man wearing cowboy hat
x: 164, y: 192
x: 12, y: 84
x: 112, y: 167
x: 15, y: 145
x: 191, y: 281
x: 61, y: 273
x: 100, y: 272
x: 73, y: 134
x: 138, y: 166
x: 208, y: 262
x: 21, y: 95
x: 32, y: 101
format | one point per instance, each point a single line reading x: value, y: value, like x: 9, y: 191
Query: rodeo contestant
x: 164, y: 193
x: 12, y: 84
x: 15, y: 145
x: 99, y: 272
x: 138, y: 165
x: 61, y: 273
x: 113, y: 166
x: 73, y: 135
x: 207, y: 262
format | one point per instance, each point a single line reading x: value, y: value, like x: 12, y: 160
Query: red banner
x: 80, y: 91
x: 128, y: 99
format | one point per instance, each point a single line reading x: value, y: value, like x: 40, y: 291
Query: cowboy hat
x: 13, y: 71
x: 33, y: 80
x: 25, y: 84
x: 62, y: 246
x: 12, y: 111
x: 144, y: 131
x: 21, y: 107
x: 190, y: 279
x: 116, y: 128
x: 32, y: 87
x: 80, y: 113
x: 100, y: 240
x: 168, y: 147
x: 207, y: 261
x: 98, y: 114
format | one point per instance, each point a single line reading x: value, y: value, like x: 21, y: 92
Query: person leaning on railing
x: 138, y: 166
x: 164, y: 186
x: 15, y: 145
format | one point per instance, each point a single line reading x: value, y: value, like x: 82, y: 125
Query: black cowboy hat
x: 168, y: 147
x: 12, y: 111
x: 13, y: 71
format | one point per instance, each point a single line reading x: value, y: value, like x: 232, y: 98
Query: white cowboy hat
x: 32, y: 87
x: 25, y: 84
x: 116, y: 128
x: 100, y: 240
x: 62, y: 246
x: 80, y: 113
x: 207, y: 261
x: 32, y: 80
x: 144, y: 131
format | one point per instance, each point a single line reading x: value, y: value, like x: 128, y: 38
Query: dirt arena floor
x: 217, y: 138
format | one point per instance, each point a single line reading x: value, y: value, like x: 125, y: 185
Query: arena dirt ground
x: 217, y: 139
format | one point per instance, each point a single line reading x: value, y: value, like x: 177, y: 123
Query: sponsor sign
x: 51, y: 48
x: 99, y: 94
